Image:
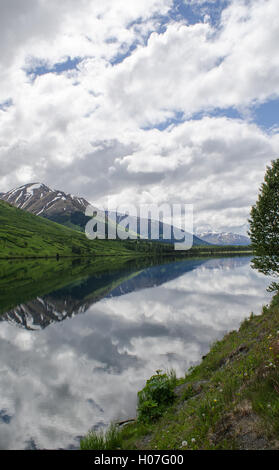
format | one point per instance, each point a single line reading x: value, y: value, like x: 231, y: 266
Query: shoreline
x: 132, y: 255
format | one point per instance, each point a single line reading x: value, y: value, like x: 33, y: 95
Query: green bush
x: 156, y: 396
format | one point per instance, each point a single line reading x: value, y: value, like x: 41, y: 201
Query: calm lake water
x: 71, y: 361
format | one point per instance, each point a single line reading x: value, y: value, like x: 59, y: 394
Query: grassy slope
x: 229, y: 401
x: 24, y: 235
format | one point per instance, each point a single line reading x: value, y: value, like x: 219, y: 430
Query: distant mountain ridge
x: 224, y: 238
x: 65, y: 209
x: 69, y: 210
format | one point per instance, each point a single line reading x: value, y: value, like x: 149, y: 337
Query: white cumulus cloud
x: 138, y: 116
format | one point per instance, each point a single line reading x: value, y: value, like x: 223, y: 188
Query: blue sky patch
x: 266, y: 115
x: 60, y: 67
x: 177, y: 119
x: 194, y: 13
x: 181, y: 11
x: 123, y: 55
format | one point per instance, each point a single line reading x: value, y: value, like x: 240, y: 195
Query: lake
x: 76, y: 348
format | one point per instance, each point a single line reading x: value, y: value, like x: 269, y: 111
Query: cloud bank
x: 131, y: 100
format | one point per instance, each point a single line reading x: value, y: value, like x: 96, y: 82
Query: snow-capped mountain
x: 39, y: 199
x: 224, y: 238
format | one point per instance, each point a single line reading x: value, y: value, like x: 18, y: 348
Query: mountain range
x: 69, y: 210
x: 66, y: 209
x: 224, y: 238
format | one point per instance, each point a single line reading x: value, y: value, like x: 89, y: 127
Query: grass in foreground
x: 229, y: 401
x: 101, y: 440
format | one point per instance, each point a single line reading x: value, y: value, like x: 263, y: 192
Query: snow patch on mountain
x: 224, y: 238
x: 39, y: 199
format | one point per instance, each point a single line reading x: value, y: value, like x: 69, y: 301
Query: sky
x: 146, y: 101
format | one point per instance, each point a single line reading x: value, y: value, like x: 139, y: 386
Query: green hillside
x: 25, y: 235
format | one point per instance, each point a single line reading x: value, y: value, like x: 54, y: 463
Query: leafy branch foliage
x: 264, y: 223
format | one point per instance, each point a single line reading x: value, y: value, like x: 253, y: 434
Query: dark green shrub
x: 156, y: 396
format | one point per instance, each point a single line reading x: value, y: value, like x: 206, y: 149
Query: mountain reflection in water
x: 77, y: 298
